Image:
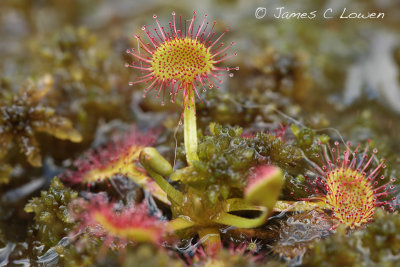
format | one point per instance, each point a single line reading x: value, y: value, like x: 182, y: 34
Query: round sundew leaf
x: 264, y: 186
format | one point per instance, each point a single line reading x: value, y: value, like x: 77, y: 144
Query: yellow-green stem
x: 190, y: 134
x: 171, y: 192
x: 156, y: 166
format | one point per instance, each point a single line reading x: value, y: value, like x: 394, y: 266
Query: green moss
x: 224, y: 162
x: 23, y: 115
x: 376, y: 245
x: 307, y: 140
x: 236, y: 258
x: 91, y: 253
x: 146, y: 255
x: 226, y: 158
x: 52, y: 220
x: 78, y: 61
x: 85, y: 253
x: 276, y: 151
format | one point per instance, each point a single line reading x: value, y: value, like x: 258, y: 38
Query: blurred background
x: 351, y: 60
x: 336, y: 76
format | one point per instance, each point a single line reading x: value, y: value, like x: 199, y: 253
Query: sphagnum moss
x: 376, y: 245
x: 51, y: 215
x: 23, y: 115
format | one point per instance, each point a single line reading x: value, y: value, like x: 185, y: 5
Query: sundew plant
x: 216, y: 137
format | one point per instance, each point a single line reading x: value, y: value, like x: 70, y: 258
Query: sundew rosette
x: 181, y: 57
x: 118, y: 157
x: 115, y: 224
x: 351, y: 184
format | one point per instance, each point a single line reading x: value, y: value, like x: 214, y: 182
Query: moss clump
x: 287, y: 73
x: 275, y: 151
x: 85, y: 253
x: 78, y: 61
x: 235, y: 257
x: 223, y: 107
x: 75, y: 56
x: 225, y: 159
x: 146, y: 255
x: 307, y: 140
x: 91, y: 253
x: 52, y: 219
x: 376, y: 245
x: 23, y: 115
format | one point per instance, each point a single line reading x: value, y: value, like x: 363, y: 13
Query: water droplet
x: 173, y: 13
x: 162, y: 103
x: 144, y: 27
x: 130, y: 83
x: 180, y: 122
x: 336, y: 143
x: 128, y: 51
x: 126, y: 65
x: 155, y: 16
x: 231, y: 75
x: 375, y: 150
x: 204, y: 90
